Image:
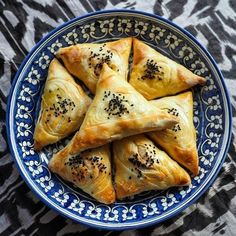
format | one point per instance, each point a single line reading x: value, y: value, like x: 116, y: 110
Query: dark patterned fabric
x: 25, y: 22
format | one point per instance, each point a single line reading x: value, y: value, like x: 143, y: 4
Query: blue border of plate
x: 119, y: 226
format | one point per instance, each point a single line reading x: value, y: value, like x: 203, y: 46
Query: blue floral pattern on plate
x: 212, y: 119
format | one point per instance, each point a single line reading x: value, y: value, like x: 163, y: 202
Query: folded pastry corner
x: 89, y: 170
x: 155, y: 75
x: 141, y: 166
x: 117, y: 111
x: 180, y: 140
x: 63, y: 107
x: 85, y: 60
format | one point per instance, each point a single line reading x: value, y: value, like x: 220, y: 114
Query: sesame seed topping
x: 173, y: 111
x: 103, y: 56
x: 176, y: 128
x: 62, y: 106
x: 152, y: 70
x: 81, y: 168
x: 116, y: 104
x: 144, y: 161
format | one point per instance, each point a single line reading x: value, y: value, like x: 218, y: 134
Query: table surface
x: 25, y: 22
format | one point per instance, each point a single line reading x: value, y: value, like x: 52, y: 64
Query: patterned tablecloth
x: 25, y: 22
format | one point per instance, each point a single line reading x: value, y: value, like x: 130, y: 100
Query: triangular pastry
x: 155, y: 75
x: 179, y: 141
x: 141, y: 166
x: 63, y: 107
x: 116, y: 111
x: 85, y: 60
x: 89, y: 170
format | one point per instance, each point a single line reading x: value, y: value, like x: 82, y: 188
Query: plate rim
x: 119, y: 225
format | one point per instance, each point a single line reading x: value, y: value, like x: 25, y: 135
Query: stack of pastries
x: 135, y: 134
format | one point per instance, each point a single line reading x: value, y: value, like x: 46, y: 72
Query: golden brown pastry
x: 179, y: 141
x: 116, y: 111
x: 89, y: 170
x: 85, y: 60
x: 141, y: 166
x: 63, y: 107
x: 155, y: 75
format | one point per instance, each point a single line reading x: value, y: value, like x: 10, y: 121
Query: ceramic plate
x: 212, y: 119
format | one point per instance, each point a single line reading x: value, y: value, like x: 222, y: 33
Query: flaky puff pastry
x: 116, y: 111
x: 141, y: 166
x: 63, y: 107
x: 155, y: 75
x: 85, y: 60
x: 179, y: 141
x: 89, y: 170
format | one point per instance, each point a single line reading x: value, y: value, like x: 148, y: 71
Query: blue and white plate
x: 212, y: 118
